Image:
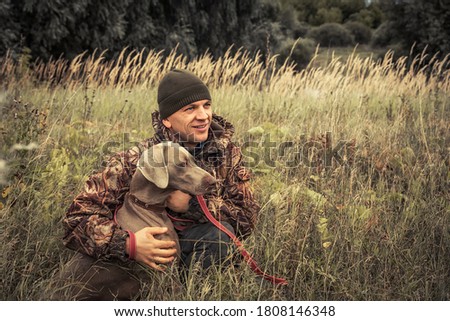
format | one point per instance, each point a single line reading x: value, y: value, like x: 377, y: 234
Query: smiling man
x: 191, y: 122
x: 185, y: 116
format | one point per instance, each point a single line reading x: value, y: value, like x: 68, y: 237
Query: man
x: 185, y: 116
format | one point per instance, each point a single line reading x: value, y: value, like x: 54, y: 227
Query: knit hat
x: 179, y: 88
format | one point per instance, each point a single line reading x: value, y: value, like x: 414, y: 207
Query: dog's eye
x: 183, y: 164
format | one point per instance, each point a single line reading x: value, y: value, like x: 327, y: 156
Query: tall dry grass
x: 373, y: 225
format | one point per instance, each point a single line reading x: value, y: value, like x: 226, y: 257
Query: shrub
x: 371, y: 16
x: 291, y: 26
x: 331, y: 34
x: 266, y: 37
x: 327, y: 15
x: 302, y: 28
x: 384, y: 35
x: 300, y: 51
x: 361, y: 33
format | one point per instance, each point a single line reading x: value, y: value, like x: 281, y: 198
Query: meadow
x: 350, y: 162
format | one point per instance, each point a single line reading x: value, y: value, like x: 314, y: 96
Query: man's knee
x: 221, y: 235
x: 221, y: 243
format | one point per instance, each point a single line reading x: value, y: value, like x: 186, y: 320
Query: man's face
x: 191, y: 122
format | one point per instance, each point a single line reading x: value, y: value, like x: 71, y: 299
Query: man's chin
x: 194, y: 140
x: 200, y: 140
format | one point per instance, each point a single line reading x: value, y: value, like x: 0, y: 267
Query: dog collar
x: 147, y: 206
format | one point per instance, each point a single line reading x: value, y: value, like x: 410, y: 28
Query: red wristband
x: 131, y: 245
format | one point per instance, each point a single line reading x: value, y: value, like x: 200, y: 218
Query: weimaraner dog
x: 162, y: 169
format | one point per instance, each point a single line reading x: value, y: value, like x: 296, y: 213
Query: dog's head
x: 169, y: 165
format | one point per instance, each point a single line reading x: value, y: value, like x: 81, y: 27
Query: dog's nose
x: 209, y: 182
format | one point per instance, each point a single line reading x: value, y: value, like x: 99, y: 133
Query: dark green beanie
x: 177, y: 89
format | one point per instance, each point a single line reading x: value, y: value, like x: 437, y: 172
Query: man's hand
x: 178, y: 201
x: 151, y: 251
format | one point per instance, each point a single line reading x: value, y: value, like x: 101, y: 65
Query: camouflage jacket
x: 89, y: 224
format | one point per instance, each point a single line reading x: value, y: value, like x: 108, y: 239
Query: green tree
x: 317, y: 12
x: 143, y: 25
x: 420, y: 23
x: 69, y: 27
x: 10, y: 35
x: 54, y: 27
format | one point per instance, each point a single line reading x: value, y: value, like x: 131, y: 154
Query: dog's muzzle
x: 208, y: 183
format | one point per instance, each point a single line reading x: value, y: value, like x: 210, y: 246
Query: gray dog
x: 162, y: 169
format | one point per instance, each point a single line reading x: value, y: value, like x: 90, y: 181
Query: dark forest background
x: 45, y: 29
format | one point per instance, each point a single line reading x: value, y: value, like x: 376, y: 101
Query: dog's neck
x: 147, y: 191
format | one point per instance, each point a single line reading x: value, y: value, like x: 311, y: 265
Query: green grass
x: 372, y: 227
x: 325, y: 55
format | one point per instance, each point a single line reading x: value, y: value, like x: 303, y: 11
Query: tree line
x: 69, y: 27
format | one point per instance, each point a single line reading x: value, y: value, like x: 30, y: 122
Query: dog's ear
x: 153, y: 165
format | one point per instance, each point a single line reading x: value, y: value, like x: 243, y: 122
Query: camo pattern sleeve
x: 235, y: 202
x: 89, y: 222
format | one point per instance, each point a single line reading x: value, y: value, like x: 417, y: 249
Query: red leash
x: 248, y: 258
